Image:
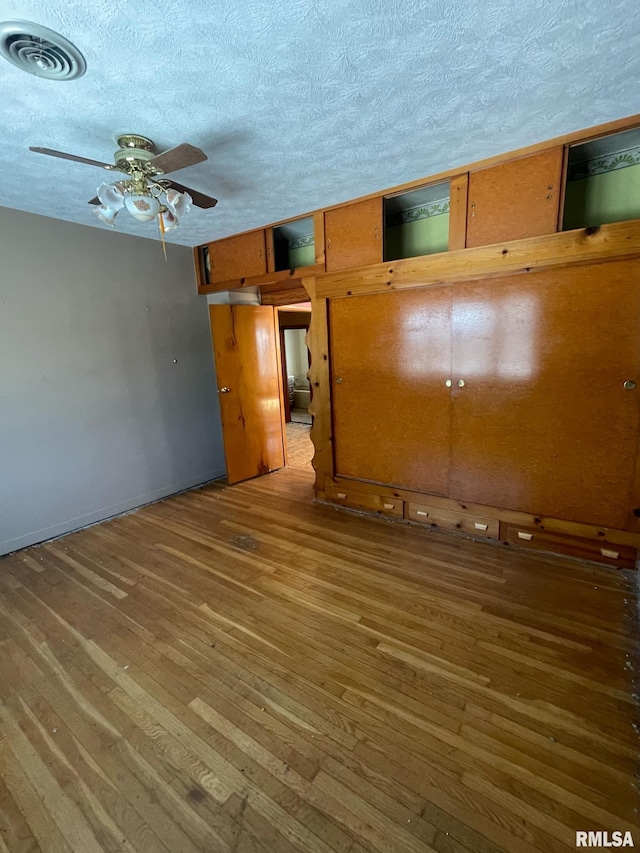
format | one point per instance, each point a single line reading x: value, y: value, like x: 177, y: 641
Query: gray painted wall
x: 95, y: 416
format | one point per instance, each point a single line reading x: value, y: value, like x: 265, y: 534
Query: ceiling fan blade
x: 64, y: 156
x: 199, y: 199
x: 179, y: 158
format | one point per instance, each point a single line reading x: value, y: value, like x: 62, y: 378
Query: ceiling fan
x: 145, y: 193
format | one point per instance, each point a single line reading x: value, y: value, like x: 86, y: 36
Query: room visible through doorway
x: 294, y: 324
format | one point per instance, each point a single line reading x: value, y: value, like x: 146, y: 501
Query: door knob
x: 448, y: 383
x: 224, y: 390
x: 629, y: 385
x: 460, y: 383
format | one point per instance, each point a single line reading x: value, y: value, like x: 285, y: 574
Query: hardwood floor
x: 300, y: 448
x: 240, y: 670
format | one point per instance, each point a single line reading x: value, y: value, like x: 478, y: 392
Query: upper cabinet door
x: 238, y: 257
x: 515, y: 200
x: 354, y: 235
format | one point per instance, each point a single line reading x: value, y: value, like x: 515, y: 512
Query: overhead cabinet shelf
x: 294, y: 244
x: 417, y: 222
x: 603, y: 181
x: 566, y: 186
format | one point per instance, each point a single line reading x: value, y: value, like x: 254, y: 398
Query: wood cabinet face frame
x: 200, y: 263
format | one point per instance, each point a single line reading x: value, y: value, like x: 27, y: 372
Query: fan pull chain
x: 161, y: 229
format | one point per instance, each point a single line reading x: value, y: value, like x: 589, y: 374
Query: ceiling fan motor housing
x: 135, y: 153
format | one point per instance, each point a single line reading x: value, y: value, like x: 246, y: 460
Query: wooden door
x: 543, y: 423
x: 516, y: 199
x: 390, y: 360
x: 238, y: 257
x: 354, y: 235
x: 247, y: 368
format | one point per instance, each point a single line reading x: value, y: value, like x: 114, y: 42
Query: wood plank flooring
x: 300, y: 448
x: 239, y: 670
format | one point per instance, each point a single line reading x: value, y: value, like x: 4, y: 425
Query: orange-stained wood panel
x: 390, y: 359
x: 543, y: 423
x: 238, y: 257
x: 458, y: 195
x: 354, y: 235
x: 244, y: 344
x: 514, y: 200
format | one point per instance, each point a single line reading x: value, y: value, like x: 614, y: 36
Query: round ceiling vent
x: 40, y: 51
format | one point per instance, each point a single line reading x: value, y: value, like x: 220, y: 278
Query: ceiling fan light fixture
x: 178, y: 203
x: 169, y: 220
x: 40, y: 51
x: 106, y: 215
x: 142, y: 207
x: 111, y: 195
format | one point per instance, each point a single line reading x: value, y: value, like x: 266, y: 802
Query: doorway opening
x: 293, y: 323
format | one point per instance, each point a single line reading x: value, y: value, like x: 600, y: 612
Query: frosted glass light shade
x: 169, y: 220
x: 142, y: 207
x: 111, y: 196
x: 106, y: 214
x: 178, y: 203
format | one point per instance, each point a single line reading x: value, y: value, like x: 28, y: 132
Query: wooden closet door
x: 390, y: 359
x: 543, y: 423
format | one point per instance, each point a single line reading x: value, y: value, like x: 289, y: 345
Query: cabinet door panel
x: 543, y: 423
x: 354, y: 235
x: 238, y: 257
x: 515, y: 200
x: 390, y: 358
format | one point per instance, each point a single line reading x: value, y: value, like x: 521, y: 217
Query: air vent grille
x: 40, y: 51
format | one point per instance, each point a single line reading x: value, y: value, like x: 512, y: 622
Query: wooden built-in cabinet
x: 484, y: 380
x: 576, y: 181
x: 516, y: 199
x: 238, y: 257
x: 518, y: 392
x: 353, y: 235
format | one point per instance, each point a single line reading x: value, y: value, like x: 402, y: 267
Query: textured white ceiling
x: 306, y: 103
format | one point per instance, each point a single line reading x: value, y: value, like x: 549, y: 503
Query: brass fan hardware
x: 137, y: 159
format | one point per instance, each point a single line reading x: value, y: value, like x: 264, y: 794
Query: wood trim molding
x: 582, y: 246
x: 274, y: 295
x: 320, y: 379
x: 271, y: 261
x: 458, y: 194
x: 318, y: 237
x: 197, y: 265
x: 563, y: 187
x: 266, y: 278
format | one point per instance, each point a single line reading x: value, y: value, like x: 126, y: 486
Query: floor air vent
x: 40, y: 51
